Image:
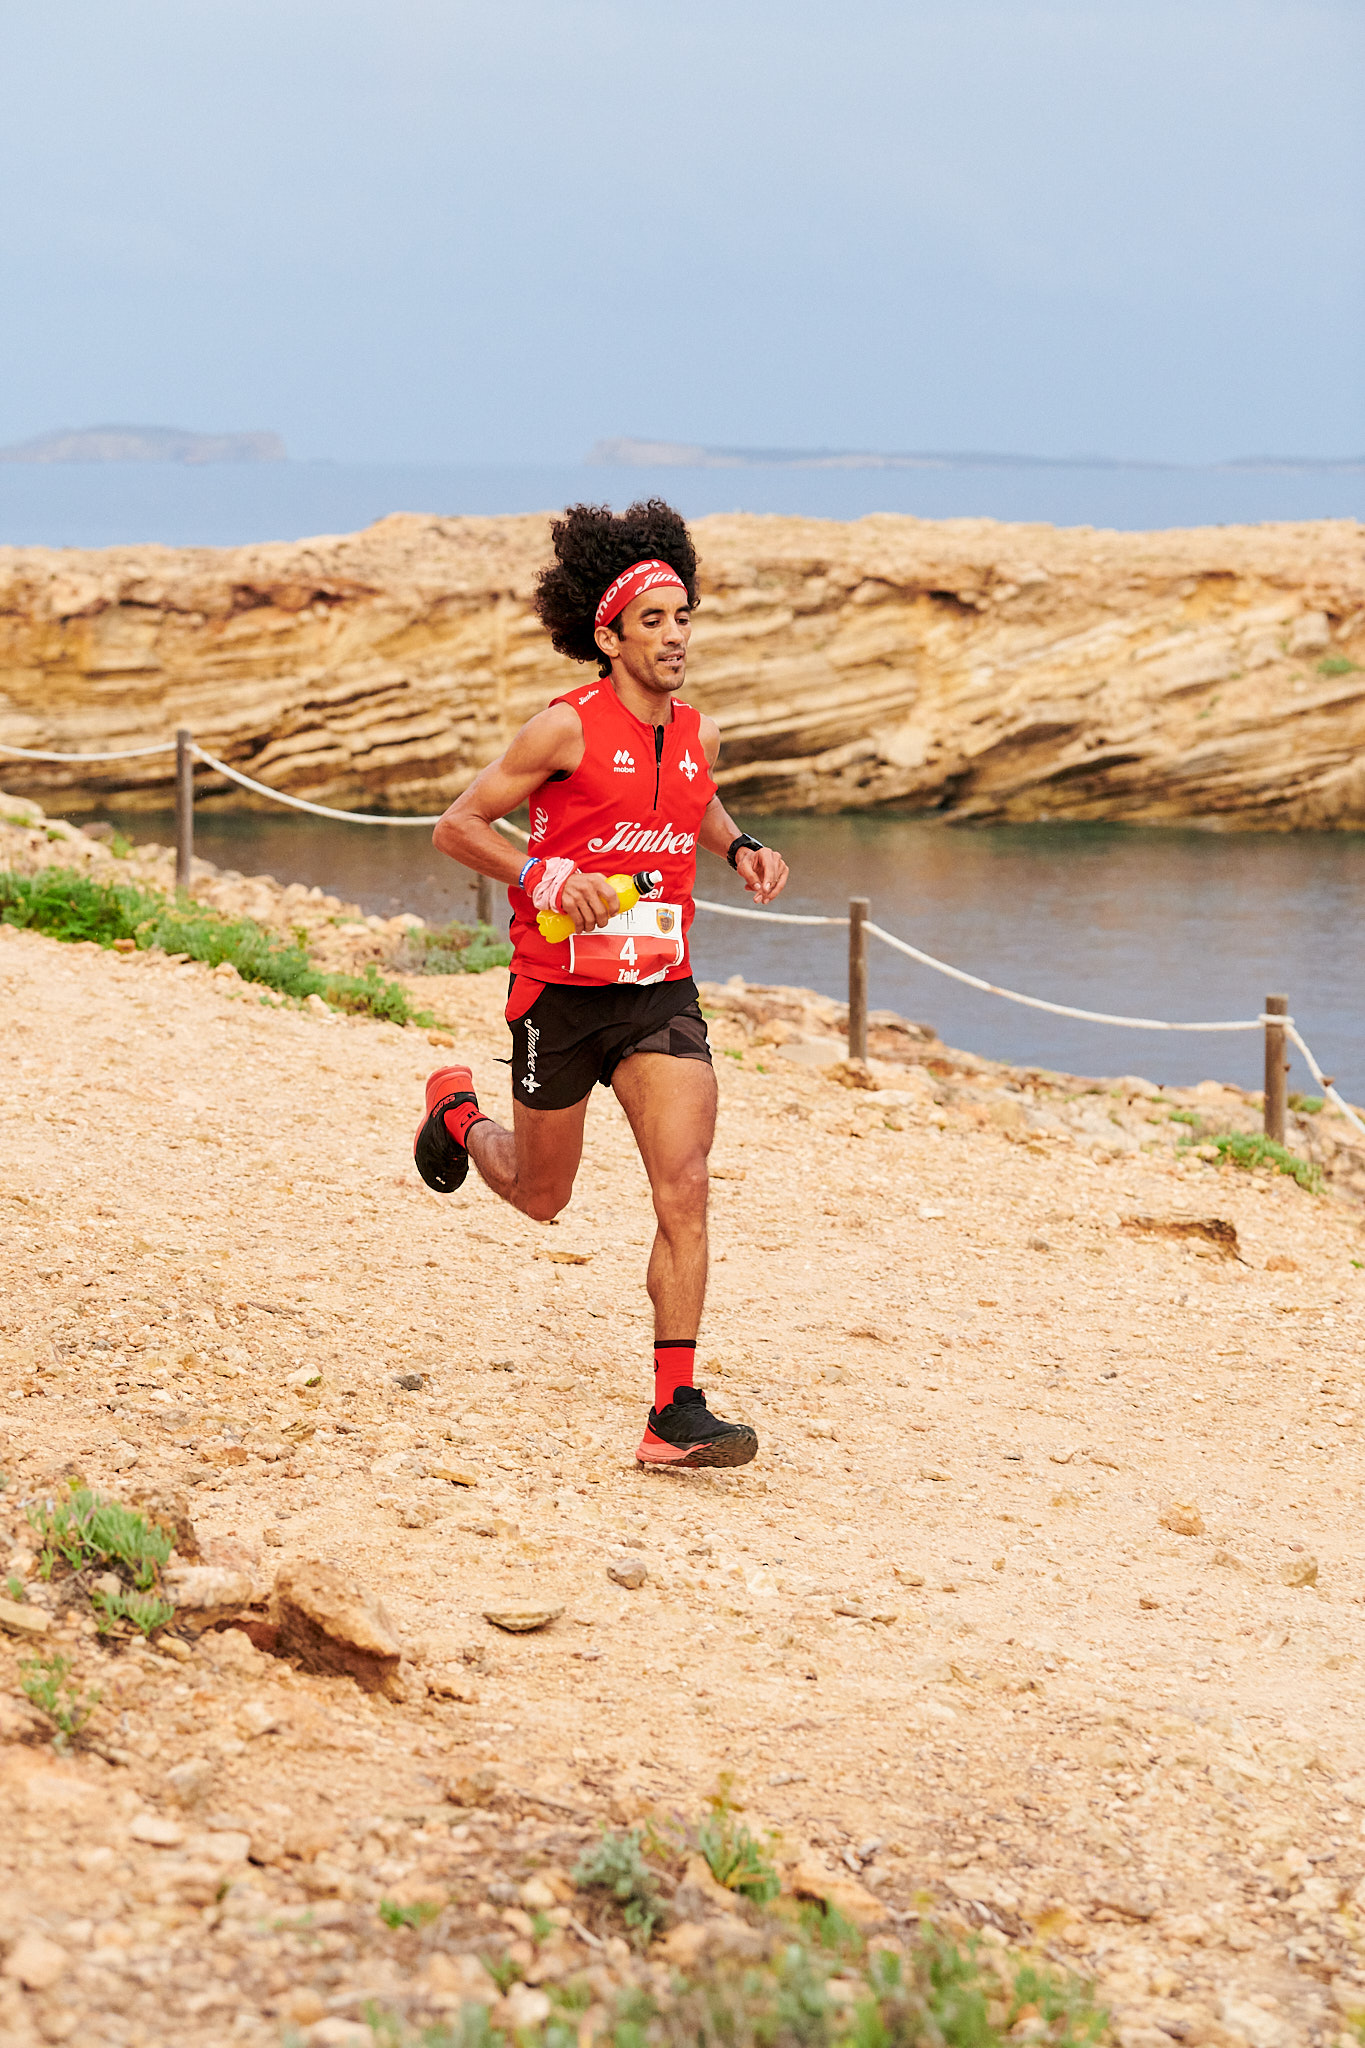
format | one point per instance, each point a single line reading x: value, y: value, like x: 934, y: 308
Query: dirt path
x: 938, y: 1631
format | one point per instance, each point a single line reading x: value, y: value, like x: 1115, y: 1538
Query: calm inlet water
x: 1175, y: 924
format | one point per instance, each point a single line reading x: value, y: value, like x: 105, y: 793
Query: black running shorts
x: 571, y: 1038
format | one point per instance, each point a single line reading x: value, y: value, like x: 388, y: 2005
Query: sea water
x: 95, y: 505
x: 1164, y: 923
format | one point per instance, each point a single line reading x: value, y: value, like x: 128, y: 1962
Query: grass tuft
x: 48, y: 1684
x: 87, y: 1532
x: 70, y: 906
x: 617, y: 1865
x: 146, y: 1612
x: 419, y: 1914
x: 454, y: 949
x: 736, y: 1859
x: 1252, y: 1149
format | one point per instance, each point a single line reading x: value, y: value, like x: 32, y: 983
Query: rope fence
x: 1279, y: 1027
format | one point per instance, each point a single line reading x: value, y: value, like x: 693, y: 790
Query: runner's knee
x: 680, y: 1195
x: 542, y: 1204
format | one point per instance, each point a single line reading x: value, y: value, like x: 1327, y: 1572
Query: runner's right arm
x: 550, y: 742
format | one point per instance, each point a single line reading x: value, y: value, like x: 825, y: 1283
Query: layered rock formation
x: 978, y: 670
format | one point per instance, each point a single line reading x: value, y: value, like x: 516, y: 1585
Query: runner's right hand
x: 589, y: 900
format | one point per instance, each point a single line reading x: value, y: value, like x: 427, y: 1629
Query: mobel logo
x: 623, y: 762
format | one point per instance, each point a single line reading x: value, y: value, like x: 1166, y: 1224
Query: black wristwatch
x: 738, y: 845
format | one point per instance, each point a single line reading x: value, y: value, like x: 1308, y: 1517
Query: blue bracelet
x: 532, y: 863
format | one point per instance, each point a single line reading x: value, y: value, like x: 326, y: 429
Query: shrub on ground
x: 71, y: 906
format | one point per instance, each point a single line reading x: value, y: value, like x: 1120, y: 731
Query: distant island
x: 624, y: 453
x: 144, y: 444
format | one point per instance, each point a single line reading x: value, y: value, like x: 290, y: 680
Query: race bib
x: 636, y: 946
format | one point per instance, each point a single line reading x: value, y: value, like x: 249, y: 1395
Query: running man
x: 617, y: 776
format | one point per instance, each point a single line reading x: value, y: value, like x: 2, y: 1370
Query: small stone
x: 453, y: 1475
x: 537, y: 1896
x: 338, y: 2033
x: 522, y: 1621
x: 303, y: 2006
x: 36, y: 1963
x: 1182, y: 1518
x: 192, y: 1780
x: 522, y: 2009
x: 627, y: 1572
x: 18, y: 1618
x: 1038, y: 1244
x: 1280, y: 1262
x: 1145, y: 1600
x: 306, y: 1376
x: 208, y: 1593
x: 489, y: 1525
x: 844, y: 1894
x: 415, y: 1514
x: 333, y: 1625
x: 273, y: 1538
x: 459, y: 1980
x: 1299, y: 1571
x: 121, y: 1457
x: 156, y: 1830
x: 1226, y: 1558
x: 410, y: 1382
x: 471, y: 1788
x: 906, y: 1576
x: 442, y: 1039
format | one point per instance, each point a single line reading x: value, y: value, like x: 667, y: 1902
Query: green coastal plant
x: 48, y: 1684
x: 1251, y: 1149
x: 419, y: 1914
x: 146, y: 1612
x: 1337, y: 665
x: 805, y: 1993
x: 454, y: 949
x: 617, y: 1865
x: 87, y: 1532
x: 736, y: 1859
x: 71, y: 906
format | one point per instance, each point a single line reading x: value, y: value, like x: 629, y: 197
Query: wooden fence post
x: 184, y: 807
x: 858, y: 908
x: 483, y: 899
x: 1276, y: 1068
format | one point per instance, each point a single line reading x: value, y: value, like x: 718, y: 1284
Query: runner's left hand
x: 764, y: 874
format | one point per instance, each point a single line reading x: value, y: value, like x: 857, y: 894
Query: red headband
x: 639, y: 576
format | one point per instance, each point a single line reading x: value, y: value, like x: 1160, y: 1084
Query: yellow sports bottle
x: 554, y: 926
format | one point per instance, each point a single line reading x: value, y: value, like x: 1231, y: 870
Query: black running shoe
x: 441, y: 1160
x: 686, y: 1433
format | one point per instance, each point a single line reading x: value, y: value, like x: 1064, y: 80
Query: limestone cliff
x: 978, y: 670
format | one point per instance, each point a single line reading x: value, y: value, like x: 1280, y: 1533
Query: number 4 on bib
x: 639, y: 945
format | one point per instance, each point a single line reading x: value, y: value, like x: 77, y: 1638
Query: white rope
x: 1316, y: 1071
x: 128, y: 753
x: 299, y: 803
x: 989, y: 988
x: 1057, y: 1009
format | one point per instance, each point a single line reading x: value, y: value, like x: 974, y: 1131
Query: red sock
x: 673, y: 1361
x: 461, y: 1120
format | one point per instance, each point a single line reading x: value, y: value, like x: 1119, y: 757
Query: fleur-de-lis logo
x: 688, y: 765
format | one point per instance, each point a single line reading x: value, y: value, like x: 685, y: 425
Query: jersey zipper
x: 658, y: 762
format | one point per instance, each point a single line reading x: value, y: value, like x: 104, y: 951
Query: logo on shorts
x: 622, y: 762
x: 530, y: 1084
x: 688, y: 765
x: 667, y: 918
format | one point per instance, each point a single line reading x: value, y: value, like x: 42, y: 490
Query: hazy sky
x: 429, y: 230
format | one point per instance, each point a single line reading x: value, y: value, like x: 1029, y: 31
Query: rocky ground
x: 1040, y: 1610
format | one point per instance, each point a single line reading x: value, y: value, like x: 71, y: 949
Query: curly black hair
x: 592, y: 546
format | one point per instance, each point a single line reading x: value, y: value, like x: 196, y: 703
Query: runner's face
x: 652, y: 643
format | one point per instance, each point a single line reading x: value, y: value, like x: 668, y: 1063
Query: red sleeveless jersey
x: 636, y: 800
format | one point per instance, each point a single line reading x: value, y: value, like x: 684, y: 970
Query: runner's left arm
x: 763, y: 873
